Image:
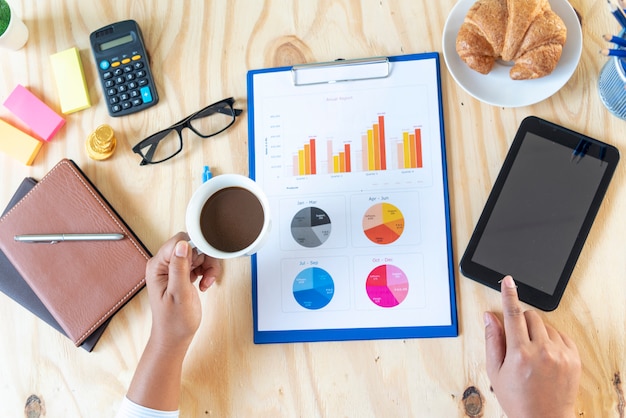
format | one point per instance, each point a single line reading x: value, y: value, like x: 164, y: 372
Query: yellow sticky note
x: 70, y: 80
x: 17, y: 144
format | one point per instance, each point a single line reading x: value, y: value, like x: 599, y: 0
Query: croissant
x: 527, y: 32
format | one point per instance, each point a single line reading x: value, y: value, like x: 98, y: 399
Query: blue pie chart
x: 313, y: 288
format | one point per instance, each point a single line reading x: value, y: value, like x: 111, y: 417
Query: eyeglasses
x: 210, y: 121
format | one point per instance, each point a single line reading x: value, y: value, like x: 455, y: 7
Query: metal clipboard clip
x: 340, y: 70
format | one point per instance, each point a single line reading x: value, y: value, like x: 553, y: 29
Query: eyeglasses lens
x: 168, y: 145
x: 213, y: 120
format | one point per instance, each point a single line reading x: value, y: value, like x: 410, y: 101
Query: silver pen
x: 54, y: 238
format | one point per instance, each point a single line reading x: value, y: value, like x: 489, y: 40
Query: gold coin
x: 104, y: 133
x: 101, y: 143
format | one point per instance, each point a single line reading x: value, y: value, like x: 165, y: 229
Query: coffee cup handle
x: 193, y: 246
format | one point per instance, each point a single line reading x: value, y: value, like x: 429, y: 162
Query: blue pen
x: 618, y: 13
x: 206, y: 174
x: 614, y: 52
x: 615, y: 39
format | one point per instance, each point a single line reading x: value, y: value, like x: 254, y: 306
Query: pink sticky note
x: 42, y: 120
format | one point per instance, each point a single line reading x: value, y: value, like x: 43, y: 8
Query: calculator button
x: 134, y: 94
x: 109, y: 83
x: 130, y: 77
x: 125, y: 60
x: 138, y: 65
x: 111, y: 92
x: 118, y: 72
x: 137, y: 102
x: 116, y: 108
x: 104, y: 65
x: 146, y: 94
x: 126, y: 105
x: 141, y: 73
x: 132, y: 85
x: 119, y: 80
x: 122, y: 88
x: 143, y: 82
x: 124, y: 96
x: 128, y: 69
x: 136, y: 57
x: 114, y: 100
x: 107, y: 75
x: 115, y: 64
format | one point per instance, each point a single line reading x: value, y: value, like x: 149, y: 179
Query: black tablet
x: 540, y: 211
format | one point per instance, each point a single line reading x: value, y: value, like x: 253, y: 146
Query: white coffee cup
x: 232, y: 206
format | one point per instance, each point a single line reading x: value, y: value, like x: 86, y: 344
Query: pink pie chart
x: 387, y: 286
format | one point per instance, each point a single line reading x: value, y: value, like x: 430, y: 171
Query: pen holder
x: 612, y: 85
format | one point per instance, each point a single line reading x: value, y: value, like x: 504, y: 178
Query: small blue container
x: 612, y: 85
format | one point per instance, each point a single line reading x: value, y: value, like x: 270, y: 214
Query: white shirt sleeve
x: 129, y: 409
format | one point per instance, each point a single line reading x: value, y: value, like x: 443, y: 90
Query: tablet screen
x: 539, y: 213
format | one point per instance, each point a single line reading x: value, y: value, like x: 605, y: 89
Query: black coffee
x: 231, y: 219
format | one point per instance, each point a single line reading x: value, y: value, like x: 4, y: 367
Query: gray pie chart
x: 311, y: 227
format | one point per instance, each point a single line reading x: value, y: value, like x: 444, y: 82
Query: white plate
x: 497, y: 88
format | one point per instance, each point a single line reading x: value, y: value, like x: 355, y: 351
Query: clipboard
x: 351, y: 155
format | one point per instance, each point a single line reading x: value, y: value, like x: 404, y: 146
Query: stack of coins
x: 101, y: 143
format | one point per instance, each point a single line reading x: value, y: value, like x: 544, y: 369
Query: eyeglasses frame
x: 182, y: 124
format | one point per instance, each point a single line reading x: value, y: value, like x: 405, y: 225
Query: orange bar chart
x: 377, y: 150
x: 410, y: 150
x: 381, y: 140
x: 375, y: 157
x: 341, y: 162
x: 304, y: 163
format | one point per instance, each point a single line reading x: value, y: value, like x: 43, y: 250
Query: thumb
x: 179, y: 269
x: 495, y: 344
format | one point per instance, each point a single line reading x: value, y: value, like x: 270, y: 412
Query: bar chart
x: 373, y: 144
x: 304, y: 162
x: 341, y: 161
x: 373, y: 149
x: 409, y: 150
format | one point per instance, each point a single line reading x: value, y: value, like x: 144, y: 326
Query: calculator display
x: 116, y: 42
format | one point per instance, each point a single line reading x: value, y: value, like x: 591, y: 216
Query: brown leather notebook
x: 14, y: 286
x: 81, y: 283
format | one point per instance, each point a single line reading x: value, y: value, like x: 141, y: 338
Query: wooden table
x: 200, y: 53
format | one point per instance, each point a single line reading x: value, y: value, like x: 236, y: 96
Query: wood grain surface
x: 200, y: 52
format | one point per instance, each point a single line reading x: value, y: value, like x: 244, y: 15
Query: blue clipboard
x: 351, y: 155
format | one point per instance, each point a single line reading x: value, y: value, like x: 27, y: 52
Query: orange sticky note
x: 17, y: 144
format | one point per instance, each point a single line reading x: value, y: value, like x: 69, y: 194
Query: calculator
x: 122, y: 61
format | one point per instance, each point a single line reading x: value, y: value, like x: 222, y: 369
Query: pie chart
x: 310, y: 227
x: 387, y: 286
x: 383, y: 223
x: 313, y: 288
